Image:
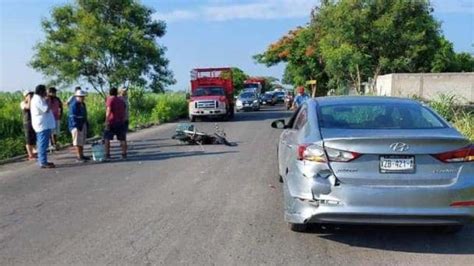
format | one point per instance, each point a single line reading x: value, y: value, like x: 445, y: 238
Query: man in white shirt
x: 42, y: 120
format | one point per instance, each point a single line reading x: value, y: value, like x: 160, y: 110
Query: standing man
x: 301, y: 98
x: 57, y: 109
x: 30, y: 134
x: 77, y: 122
x: 72, y: 97
x: 42, y: 120
x: 115, y: 123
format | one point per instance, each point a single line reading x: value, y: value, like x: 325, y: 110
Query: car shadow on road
x: 405, y: 239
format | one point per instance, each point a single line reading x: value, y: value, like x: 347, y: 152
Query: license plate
x: 397, y: 164
x: 246, y: 104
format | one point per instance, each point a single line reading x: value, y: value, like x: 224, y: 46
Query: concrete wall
x: 427, y: 85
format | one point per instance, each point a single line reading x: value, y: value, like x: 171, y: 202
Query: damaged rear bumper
x: 326, y: 202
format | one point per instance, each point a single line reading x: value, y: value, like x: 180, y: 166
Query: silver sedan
x: 374, y: 160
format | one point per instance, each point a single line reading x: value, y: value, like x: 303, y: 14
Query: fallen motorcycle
x: 188, y: 134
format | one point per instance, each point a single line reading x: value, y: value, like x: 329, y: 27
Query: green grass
x: 145, y: 109
x: 462, y: 117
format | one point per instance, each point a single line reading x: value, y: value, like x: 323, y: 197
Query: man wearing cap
x: 301, y: 98
x: 77, y: 122
x: 72, y: 98
x: 42, y: 120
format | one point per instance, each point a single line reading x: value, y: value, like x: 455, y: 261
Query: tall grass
x: 462, y: 117
x: 145, y: 109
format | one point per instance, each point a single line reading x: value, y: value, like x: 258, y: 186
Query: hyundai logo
x: 399, y: 146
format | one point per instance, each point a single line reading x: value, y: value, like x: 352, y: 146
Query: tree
x: 238, y: 79
x: 104, y: 43
x: 464, y: 62
x: 350, y: 41
x: 298, y: 50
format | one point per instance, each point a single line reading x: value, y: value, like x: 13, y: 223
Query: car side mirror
x: 280, y: 124
x: 188, y: 96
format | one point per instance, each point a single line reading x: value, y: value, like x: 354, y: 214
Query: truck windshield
x: 209, y: 91
x: 251, y: 86
x: 247, y: 95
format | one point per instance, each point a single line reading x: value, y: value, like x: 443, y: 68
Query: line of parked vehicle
x: 212, y: 94
x: 252, y: 101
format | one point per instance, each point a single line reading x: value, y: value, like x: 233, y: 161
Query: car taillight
x: 465, y: 154
x: 341, y: 156
x: 316, y: 153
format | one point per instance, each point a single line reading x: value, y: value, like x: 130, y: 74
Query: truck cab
x: 211, y: 93
x: 255, y: 85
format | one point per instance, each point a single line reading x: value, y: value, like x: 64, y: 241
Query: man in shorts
x: 77, y: 121
x: 115, y: 124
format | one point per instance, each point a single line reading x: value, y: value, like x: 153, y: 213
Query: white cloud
x: 232, y: 10
x: 178, y: 15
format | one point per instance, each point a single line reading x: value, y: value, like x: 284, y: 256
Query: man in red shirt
x: 115, y: 123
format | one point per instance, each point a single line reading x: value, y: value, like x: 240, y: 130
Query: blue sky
x: 200, y: 33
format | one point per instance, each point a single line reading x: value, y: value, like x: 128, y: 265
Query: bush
x: 446, y: 105
x: 465, y: 124
x: 450, y: 108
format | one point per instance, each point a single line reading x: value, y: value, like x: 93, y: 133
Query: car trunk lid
x: 398, y: 147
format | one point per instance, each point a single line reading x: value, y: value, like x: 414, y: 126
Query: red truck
x: 254, y: 84
x: 212, y: 93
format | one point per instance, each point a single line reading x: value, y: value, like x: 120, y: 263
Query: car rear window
x: 378, y: 116
x: 247, y: 95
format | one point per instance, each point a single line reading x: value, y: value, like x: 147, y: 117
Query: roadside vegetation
x: 146, y: 109
x: 347, y: 43
x: 461, y: 116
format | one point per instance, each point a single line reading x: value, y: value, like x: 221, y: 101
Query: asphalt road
x: 177, y: 204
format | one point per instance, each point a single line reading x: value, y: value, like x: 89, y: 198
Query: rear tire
x: 192, y: 118
x: 298, y: 227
